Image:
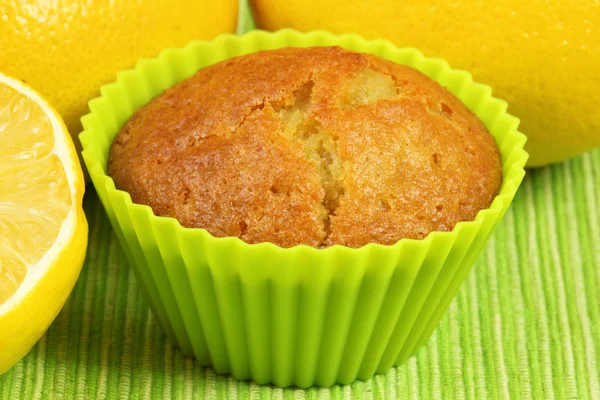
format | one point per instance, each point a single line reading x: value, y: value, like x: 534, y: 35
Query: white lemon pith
x: 43, y: 231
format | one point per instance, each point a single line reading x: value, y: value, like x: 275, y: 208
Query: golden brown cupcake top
x: 319, y: 146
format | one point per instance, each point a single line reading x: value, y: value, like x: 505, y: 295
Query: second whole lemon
x: 541, y: 56
x: 67, y: 49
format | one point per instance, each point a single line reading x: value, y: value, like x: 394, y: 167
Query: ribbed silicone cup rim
x: 299, y: 316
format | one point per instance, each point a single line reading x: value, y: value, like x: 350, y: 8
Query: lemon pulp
x: 43, y: 230
x: 34, y: 191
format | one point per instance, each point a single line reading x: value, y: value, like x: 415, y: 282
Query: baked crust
x: 318, y: 146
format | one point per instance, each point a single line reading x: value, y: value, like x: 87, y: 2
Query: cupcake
x: 300, y: 216
x: 316, y: 146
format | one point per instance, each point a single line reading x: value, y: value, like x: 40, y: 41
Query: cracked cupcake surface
x: 315, y: 146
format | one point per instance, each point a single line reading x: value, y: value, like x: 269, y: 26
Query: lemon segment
x: 43, y: 231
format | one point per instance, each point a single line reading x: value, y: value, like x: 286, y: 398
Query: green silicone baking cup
x: 299, y: 316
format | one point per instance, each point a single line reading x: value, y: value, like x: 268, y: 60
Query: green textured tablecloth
x: 525, y: 324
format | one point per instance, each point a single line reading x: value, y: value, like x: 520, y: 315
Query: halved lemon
x: 43, y: 230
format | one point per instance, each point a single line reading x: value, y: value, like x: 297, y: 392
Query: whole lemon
x: 67, y: 49
x: 542, y: 56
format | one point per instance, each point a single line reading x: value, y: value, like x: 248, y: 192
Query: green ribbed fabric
x: 525, y: 324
